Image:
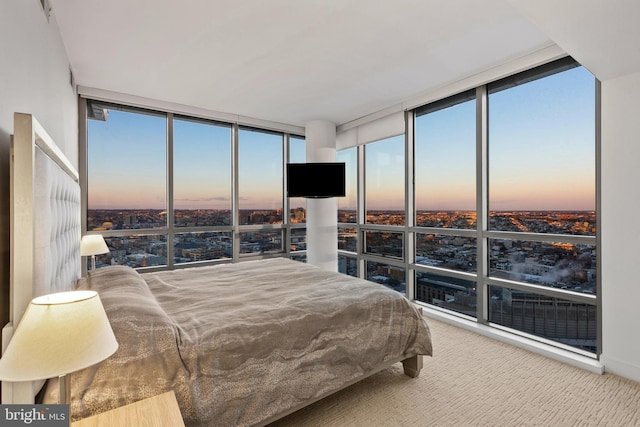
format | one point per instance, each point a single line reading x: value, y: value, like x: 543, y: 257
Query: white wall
x: 620, y: 234
x: 34, y: 78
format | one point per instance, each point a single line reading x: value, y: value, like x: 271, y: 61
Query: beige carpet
x: 476, y: 381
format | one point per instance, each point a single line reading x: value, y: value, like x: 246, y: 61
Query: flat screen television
x: 315, y: 180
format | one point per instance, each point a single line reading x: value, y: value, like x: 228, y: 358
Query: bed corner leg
x: 412, y: 366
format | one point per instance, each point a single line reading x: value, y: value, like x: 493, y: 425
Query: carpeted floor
x: 473, y: 380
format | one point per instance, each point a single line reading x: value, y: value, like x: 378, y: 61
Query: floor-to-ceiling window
x: 384, y: 189
x: 541, y: 188
x: 445, y: 203
x: 201, y: 190
x: 501, y: 226
x: 506, y: 193
x: 127, y: 183
x: 167, y: 190
x: 260, y: 201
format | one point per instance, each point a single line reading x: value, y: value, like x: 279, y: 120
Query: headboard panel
x: 57, y: 228
x: 45, y: 229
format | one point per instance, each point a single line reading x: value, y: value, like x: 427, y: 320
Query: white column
x: 322, y: 214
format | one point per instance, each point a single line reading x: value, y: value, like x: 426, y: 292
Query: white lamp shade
x: 93, y: 244
x: 58, y: 334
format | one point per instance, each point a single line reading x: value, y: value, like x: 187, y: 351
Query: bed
x: 239, y: 343
x: 243, y: 344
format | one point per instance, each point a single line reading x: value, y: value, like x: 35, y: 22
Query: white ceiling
x: 603, y: 35
x: 293, y: 61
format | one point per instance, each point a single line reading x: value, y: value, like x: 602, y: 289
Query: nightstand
x: 158, y: 411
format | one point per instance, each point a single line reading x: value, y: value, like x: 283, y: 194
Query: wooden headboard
x: 45, y: 229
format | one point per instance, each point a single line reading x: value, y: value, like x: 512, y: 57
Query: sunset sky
x: 541, y: 157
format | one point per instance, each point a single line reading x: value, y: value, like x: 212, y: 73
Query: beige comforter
x: 242, y: 343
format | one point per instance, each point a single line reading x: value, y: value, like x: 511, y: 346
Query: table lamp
x: 59, y: 333
x: 92, y: 245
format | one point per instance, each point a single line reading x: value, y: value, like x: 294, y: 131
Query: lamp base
x: 64, y: 389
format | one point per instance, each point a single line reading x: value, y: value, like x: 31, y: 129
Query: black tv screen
x: 315, y: 180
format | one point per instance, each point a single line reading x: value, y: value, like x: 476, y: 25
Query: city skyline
x: 581, y: 222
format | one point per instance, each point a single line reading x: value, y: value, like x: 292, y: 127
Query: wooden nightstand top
x: 158, y: 411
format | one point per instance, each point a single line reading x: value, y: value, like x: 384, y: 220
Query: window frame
x: 481, y: 232
x: 170, y: 229
x: 484, y: 234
